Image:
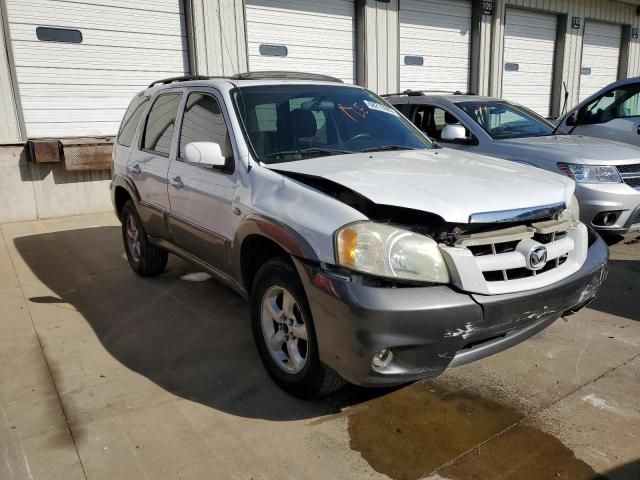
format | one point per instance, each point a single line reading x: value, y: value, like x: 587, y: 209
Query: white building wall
x: 9, y: 118
x: 601, y: 10
x: 378, y: 53
x: 218, y: 36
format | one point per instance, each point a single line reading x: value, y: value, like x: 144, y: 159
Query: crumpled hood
x: 575, y: 149
x: 446, y: 182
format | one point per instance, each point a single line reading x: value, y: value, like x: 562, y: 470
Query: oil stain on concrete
x: 423, y: 428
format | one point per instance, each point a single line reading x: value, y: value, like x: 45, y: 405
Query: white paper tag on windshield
x: 379, y: 107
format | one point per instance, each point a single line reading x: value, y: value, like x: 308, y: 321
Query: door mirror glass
x: 204, y: 154
x: 454, y: 133
x: 572, y: 119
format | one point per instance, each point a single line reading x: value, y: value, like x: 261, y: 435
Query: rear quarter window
x: 131, y: 120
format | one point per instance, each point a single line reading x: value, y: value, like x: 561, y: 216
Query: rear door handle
x: 136, y: 170
x: 176, y: 182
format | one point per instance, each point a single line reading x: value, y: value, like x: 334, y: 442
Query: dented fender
x: 306, y: 218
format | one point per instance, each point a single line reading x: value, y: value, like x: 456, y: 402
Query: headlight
x: 591, y: 173
x: 388, y: 251
x: 572, y: 212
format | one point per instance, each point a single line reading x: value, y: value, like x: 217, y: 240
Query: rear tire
x: 145, y: 259
x: 284, y: 333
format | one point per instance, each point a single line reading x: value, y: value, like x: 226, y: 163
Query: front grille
x: 635, y: 168
x: 522, y: 272
x: 500, y: 261
x: 630, y: 174
x: 633, y: 182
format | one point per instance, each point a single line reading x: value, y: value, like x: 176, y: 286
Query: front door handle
x: 176, y: 182
x: 136, y: 170
x: 638, y: 130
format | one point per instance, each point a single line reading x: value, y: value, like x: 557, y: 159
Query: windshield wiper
x: 328, y: 151
x: 383, y: 148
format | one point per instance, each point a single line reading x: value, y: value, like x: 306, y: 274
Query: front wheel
x: 145, y: 259
x: 284, y: 333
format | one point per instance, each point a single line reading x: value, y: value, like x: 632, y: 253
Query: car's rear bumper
x: 432, y: 328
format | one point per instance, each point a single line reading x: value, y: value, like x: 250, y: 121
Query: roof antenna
x: 237, y: 87
x: 564, y: 108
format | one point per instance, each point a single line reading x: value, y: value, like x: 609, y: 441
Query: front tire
x: 284, y: 333
x: 144, y: 258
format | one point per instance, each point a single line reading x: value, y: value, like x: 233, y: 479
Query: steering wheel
x: 360, y: 136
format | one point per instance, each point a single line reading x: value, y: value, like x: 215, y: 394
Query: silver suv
x: 607, y: 173
x: 366, y: 252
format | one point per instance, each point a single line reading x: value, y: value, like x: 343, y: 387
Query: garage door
x: 600, y: 56
x: 435, y: 44
x: 79, y: 64
x: 529, y: 46
x: 302, y: 36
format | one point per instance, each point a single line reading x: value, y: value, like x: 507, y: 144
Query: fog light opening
x: 606, y: 219
x: 382, y: 359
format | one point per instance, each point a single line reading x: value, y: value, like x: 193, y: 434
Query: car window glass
x: 620, y: 102
x: 503, y: 120
x: 432, y: 120
x: 203, y: 122
x: 160, y: 125
x: 131, y: 120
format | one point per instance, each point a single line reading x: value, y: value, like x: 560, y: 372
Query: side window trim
x: 142, y: 131
x: 227, y: 122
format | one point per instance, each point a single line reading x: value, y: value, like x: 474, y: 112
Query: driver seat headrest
x: 449, y: 119
x: 303, y: 123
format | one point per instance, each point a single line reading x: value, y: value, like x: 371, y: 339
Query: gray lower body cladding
x: 433, y: 328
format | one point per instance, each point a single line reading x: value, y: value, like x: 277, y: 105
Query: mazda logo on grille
x: 537, y: 257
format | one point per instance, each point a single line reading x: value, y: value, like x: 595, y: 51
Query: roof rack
x: 416, y: 93
x: 183, y: 78
x: 284, y: 75
x: 252, y: 76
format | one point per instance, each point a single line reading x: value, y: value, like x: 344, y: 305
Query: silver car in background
x: 607, y: 173
x: 612, y: 113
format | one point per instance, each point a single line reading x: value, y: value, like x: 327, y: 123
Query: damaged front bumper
x: 432, y: 328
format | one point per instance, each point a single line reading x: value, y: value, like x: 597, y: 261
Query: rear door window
x: 160, y: 126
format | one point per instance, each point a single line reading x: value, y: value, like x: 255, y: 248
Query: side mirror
x: 572, y: 119
x: 204, y: 154
x: 454, y: 133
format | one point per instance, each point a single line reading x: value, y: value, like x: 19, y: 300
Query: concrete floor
x: 104, y: 375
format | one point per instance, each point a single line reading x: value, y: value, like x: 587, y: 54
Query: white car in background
x: 607, y: 173
x: 613, y: 113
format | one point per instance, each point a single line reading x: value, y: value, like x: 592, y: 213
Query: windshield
x: 295, y: 122
x: 504, y: 120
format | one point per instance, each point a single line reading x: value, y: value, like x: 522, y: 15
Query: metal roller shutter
x: 83, y: 89
x: 435, y: 44
x: 302, y: 36
x: 600, y: 56
x: 529, y: 46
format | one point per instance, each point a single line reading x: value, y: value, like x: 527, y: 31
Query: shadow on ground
x: 192, y: 338
x: 619, y: 294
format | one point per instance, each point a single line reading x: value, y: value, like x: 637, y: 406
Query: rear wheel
x: 284, y: 333
x: 144, y: 258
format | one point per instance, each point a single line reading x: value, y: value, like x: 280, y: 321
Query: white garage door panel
x: 49, y: 78
x: 74, y: 15
x: 80, y: 129
x: 87, y: 57
x: 600, y: 55
x: 83, y: 89
x: 319, y: 36
x: 529, y: 42
x: 112, y: 39
x: 439, y: 31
